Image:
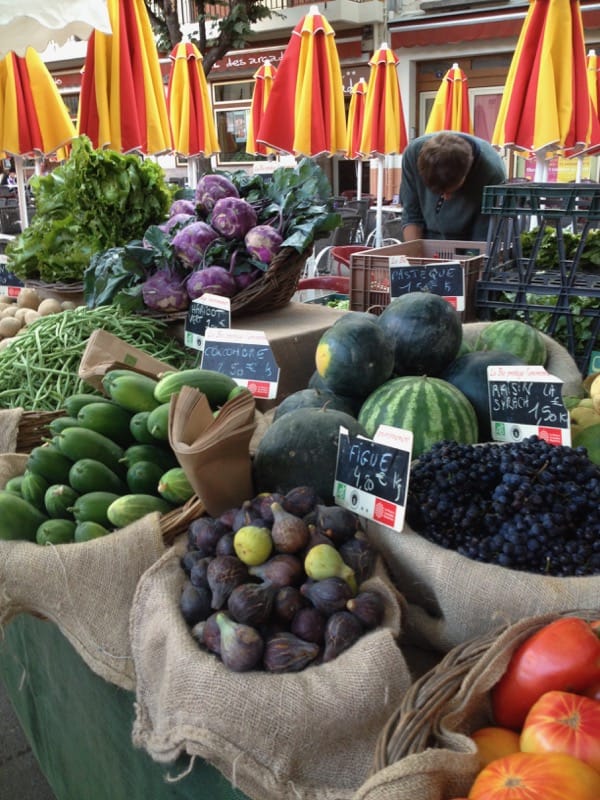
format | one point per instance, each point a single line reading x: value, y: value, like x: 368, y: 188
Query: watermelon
x: 431, y: 408
x: 513, y: 336
x: 354, y: 356
x: 313, y: 398
x: 426, y: 333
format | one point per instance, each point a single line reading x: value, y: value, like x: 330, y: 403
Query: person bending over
x: 443, y: 177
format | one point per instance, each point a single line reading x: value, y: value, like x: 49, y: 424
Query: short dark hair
x: 444, y: 160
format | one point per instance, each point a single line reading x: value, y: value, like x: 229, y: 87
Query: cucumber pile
x: 108, y: 461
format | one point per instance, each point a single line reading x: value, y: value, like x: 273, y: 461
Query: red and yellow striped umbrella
x: 189, y: 105
x: 263, y: 83
x: 356, y: 115
x: 34, y: 121
x: 593, y: 77
x: 305, y: 114
x: 384, y: 129
x: 122, y: 104
x: 546, y: 107
x: 450, y: 110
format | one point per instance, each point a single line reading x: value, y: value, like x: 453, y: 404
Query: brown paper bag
x: 214, y: 451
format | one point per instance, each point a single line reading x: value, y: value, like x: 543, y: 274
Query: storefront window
x: 232, y: 109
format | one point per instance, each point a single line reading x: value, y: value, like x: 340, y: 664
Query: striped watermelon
x: 512, y: 336
x: 431, y: 408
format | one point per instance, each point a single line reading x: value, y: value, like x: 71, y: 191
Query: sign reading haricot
x: 371, y: 476
x: 444, y: 278
x: 10, y: 285
x: 245, y: 356
x: 527, y: 401
x: 207, y: 311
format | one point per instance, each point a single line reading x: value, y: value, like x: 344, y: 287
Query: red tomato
x: 593, y: 691
x: 563, y: 655
x: 562, y: 722
x: 536, y: 776
x: 493, y: 743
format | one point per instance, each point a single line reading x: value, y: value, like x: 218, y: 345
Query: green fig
x: 324, y: 561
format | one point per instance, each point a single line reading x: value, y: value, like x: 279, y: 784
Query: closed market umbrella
x: 122, y: 105
x: 36, y: 23
x: 190, y: 109
x: 263, y: 83
x: 450, y: 110
x: 546, y: 107
x: 305, y: 114
x: 384, y: 129
x: 356, y: 115
x: 34, y: 121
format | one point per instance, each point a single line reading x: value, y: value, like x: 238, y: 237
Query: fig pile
x: 275, y: 584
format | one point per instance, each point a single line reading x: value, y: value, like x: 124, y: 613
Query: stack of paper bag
x: 213, y: 450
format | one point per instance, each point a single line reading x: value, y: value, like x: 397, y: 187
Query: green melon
x: 431, y: 408
x: 513, y: 336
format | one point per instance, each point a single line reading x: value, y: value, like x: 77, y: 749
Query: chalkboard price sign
x: 444, y: 278
x: 527, y: 401
x: 208, y: 311
x: 371, y: 476
x: 10, y: 285
x: 246, y: 356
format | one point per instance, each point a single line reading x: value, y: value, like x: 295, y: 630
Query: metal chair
x: 391, y: 232
x: 319, y: 263
x: 361, y: 207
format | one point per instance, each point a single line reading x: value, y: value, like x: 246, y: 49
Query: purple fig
x: 194, y: 603
x: 189, y: 558
x: 342, y: 630
x: 199, y: 572
x: 262, y: 505
x: 368, y: 607
x: 241, y: 645
x: 207, y: 633
x: 360, y: 556
x: 227, y: 517
x: 251, y: 603
x: 288, y: 532
x: 337, y: 523
x: 246, y: 515
x: 328, y: 596
x: 285, y: 652
x: 225, y: 545
x: 301, y: 500
x: 287, y: 601
x: 309, y: 624
x: 224, y: 573
x: 204, y: 533
x: 281, y: 570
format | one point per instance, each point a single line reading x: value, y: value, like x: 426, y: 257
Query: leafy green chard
x: 96, y: 200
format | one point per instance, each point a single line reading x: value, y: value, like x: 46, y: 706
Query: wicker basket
x: 175, y: 522
x: 33, y: 428
x: 63, y: 292
x: 276, y: 287
x: 450, y: 688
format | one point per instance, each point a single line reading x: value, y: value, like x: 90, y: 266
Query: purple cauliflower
x: 233, y: 217
x: 211, y: 188
x: 182, y: 207
x: 215, y: 280
x: 263, y: 242
x: 164, y: 291
x: 190, y: 242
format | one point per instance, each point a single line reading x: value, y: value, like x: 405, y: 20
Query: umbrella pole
x: 21, y: 192
x: 192, y: 172
x: 359, y: 179
x: 379, y: 211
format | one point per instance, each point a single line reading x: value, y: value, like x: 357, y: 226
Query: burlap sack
x: 451, y: 598
x: 10, y: 419
x: 304, y: 736
x: 447, y: 705
x: 559, y: 361
x: 86, y: 589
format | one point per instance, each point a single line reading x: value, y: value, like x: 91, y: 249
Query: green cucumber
x: 14, y: 484
x: 60, y: 423
x: 109, y: 419
x: 131, y: 507
x: 86, y: 531
x: 59, y: 498
x: 214, y: 385
x: 143, y: 477
x: 18, y: 518
x: 149, y: 452
x: 132, y: 391
x: 76, y: 402
x: 89, y: 475
x: 92, y: 507
x: 139, y: 428
x: 56, y: 531
x: 33, y: 489
x: 78, y: 443
x: 175, y: 487
x: 158, y: 422
x: 50, y: 462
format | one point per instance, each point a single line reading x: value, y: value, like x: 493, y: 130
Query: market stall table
x: 79, y: 726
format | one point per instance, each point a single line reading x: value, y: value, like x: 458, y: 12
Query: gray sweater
x: 458, y: 217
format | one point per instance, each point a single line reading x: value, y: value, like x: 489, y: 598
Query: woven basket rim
x: 409, y: 729
x: 76, y: 287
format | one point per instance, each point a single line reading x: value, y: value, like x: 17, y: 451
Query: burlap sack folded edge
x: 10, y: 419
x: 243, y: 771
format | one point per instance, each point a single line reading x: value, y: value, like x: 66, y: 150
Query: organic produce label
x: 527, y: 401
x: 371, y: 476
x: 245, y: 356
x: 208, y: 311
x: 445, y: 278
x: 10, y: 285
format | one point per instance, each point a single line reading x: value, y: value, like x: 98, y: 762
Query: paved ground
x: 20, y: 776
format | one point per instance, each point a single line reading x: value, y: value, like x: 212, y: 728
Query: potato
x: 21, y: 311
x: 5, y: 342
x: 30, y: 316
x: 68, y: 305
x: 49, y: 306
x: 28, y: 298
x: 8, y: 310
x: 9, y: 326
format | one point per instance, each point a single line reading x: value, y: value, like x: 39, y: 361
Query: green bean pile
x: 39, y: 367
